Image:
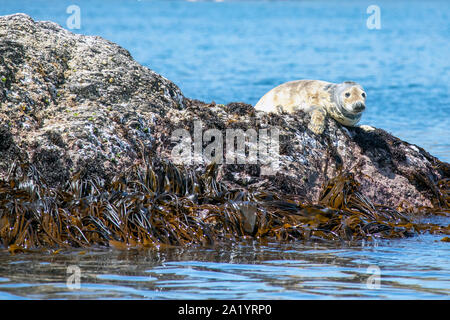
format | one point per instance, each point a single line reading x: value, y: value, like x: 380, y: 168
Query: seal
x: 344, y: 101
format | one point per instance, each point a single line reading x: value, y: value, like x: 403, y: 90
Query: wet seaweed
x: 157, y: 204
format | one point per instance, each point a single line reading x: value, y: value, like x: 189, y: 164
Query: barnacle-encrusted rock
x: 72, y: 103
x: 390, y: 171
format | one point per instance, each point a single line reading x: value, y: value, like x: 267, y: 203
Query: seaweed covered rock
x: 74, y: 104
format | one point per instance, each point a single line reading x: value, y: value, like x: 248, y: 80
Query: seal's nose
x: 359, y: 106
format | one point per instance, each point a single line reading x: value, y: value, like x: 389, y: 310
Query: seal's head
x: 350, y: 99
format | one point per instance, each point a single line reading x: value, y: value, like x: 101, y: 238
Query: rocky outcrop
x: 81, y: 104
x: 390, y: 171
x: 71, y: 102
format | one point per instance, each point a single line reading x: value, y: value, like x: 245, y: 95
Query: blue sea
x: 225, y: 51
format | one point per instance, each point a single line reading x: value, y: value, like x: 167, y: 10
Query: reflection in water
x: 236, y: 271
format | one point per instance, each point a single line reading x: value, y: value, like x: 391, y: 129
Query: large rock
x: 390, y: 171
x: 73, y: 103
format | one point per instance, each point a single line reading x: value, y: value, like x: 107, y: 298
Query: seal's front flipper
x: 279, y: 108
x: 367, y: 128
x: 317, y: 124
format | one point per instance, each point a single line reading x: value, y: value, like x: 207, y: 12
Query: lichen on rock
x: 86, y: 90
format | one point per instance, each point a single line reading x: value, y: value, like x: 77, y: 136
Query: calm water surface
x: 408, y: 269
x: 237, y: 51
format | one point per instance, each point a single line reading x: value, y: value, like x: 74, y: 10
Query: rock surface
x: 72, y: 103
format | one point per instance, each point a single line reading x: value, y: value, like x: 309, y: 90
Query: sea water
x: 399, y: 51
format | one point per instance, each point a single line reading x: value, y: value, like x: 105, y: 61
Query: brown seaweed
x: 158, y: 204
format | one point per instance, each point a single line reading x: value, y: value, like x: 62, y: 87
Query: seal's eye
x: 363, y: 95
x: 347, y: 94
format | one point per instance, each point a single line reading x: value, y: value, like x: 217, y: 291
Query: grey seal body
x: 344, y: 101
